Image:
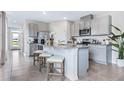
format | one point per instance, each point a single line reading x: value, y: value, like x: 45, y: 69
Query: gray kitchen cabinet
x: 30, y: 28
x: 101, y: 53
x: 33, y: 29
x: 72, y: 33
x: 85, y: 22
x: 83, y: 62
x: 75, y: 28
x: 94, y: 27
x: 81, y: 25
x: 43, y: 27
x: 33, y: 47
x: 69, y: 25
x: 101, y: 25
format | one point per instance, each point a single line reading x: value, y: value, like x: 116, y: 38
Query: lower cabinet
x: 83, y: 62
x: 101, y: 53
x: 33, y: 47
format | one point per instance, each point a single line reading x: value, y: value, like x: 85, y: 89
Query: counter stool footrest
x: 54, y: 74
x: 58, y: 68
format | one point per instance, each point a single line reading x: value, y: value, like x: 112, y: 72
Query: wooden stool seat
x: 36, y: 54
x: 55, y: 59
x: 42, y: 59
x: 52, y: 65
x: 38, y: 51
x: 45, y: 55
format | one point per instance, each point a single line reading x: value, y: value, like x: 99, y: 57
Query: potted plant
x: 118, y: 43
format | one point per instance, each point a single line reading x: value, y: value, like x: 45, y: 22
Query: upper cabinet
x: 101, y: 25
x: 43, y: 27
x: 75, y: 28
x: 35, y: 26
x: 33, y: 29
x: 85, y: 22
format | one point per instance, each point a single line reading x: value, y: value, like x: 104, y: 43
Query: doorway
x: 15, y: 40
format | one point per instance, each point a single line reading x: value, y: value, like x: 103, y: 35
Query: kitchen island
x: 76, y: 59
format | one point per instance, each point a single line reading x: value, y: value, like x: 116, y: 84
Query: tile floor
x: 20, y: 68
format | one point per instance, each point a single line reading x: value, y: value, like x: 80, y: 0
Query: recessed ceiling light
x: 65, y: 18
x: 44, y: 12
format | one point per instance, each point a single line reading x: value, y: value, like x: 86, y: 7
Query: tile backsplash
x: 97, y: 38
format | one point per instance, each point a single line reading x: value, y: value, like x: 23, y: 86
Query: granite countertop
x: 67, y: 46
x: 100, y: 44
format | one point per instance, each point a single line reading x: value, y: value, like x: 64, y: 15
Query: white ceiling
x: 18, y: 17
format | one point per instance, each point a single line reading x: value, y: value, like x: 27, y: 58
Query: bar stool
x: 52, y: 66
x: 36, y: 54
x: 42, y: 59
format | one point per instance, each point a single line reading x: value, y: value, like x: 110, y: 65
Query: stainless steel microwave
x: 85, y: 32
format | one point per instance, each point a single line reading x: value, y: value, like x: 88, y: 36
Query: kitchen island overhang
x: 76, y: 59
